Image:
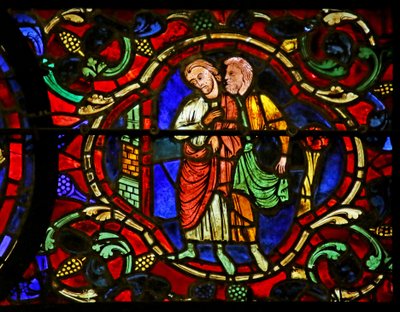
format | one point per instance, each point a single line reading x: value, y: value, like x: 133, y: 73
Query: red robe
x: 203, y: 173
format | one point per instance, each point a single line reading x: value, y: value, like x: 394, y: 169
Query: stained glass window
x: 196, y: 155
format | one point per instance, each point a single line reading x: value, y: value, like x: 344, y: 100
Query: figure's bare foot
x: 226, y: 263
x: 187, y: 253
x: 262, y: 263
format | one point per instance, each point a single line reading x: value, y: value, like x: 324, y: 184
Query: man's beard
x: 206, y: 89
x: 233, y: 89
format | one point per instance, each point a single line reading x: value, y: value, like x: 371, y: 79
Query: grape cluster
x: 145, y: 262
x: 202, y: 21
x: 236, y: 292
x: 65, y: 185
x: 205, y: 291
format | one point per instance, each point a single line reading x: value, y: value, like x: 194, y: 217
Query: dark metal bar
x: 166, y: 133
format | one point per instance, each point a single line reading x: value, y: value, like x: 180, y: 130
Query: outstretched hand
x: 214, y: 142
x: 281, y: 165
x: 212, y: 115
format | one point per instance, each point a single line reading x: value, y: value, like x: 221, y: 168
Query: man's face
x: 233, y: 79
x: 202, y: 79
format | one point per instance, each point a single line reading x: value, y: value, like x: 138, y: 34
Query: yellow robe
x: 261, y: 116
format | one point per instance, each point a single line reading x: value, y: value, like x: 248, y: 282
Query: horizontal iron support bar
x: 168, y: 133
